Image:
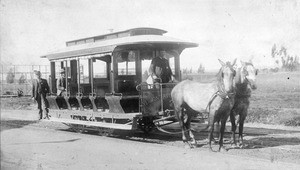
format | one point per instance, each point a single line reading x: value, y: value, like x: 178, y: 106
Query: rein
x: 174, y: 133
x: 222, y: 93
x: 221, y: 88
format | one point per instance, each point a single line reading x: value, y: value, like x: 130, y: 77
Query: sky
x: 228, y: 29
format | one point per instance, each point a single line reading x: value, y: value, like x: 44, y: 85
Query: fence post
x: 14, y: 82
x: 2, y: 80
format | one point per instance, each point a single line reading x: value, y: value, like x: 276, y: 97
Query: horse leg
x: 181, y: 123
x: 241, y: 128
x: 188, y: 123
x: 233, y: 127
x: 211, y: 125
x: 217, y: 132
x: 180, y: 115
x: 222, y: 130
x: 210, y: 135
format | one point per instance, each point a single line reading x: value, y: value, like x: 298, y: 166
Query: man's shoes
x: 47, y: 118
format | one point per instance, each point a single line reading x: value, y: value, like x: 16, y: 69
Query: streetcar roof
x: 131, y: 32
x: 105, y: 47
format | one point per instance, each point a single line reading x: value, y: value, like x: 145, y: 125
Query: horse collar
x: 225, y: 95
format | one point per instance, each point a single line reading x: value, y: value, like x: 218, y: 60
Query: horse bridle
x: 245, y: 71
x: 221, y: 87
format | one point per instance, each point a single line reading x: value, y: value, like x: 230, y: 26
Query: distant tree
x: 273, y: 51
x: 185, y: 71
x: 10, y: 76
x: 22, y: 79
x: 201, y: 69
x: 283, y: 59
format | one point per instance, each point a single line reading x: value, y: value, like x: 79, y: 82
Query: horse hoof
x: 241, y: 145
x: 234, y: 145
x: 222, y: 149
x: 194, y: 143
x: 187, y: 146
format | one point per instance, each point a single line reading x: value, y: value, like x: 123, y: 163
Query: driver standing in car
x: 160, y: 68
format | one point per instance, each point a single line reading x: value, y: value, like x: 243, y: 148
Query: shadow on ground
x: 255, y: 137
x: 13, y: 124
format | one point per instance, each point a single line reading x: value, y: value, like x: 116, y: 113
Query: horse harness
x: 221, y: 92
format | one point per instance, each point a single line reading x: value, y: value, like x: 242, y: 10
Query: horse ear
x: 233, y: 63
x: 243, y: 63
x: 221, y: 62
x: 250, y: 60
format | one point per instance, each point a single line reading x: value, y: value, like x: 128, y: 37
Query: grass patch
x: 276, y: 100
x: 18, y: 103
x: 287, y: 117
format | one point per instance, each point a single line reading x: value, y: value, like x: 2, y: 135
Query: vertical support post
x: 108, y: 69
x: 92, y: 96
x: 138, y: 67
x: 67, y: 86
x: 78, y: 76
x: 53, y: 78
x: 73, y: 67
x: 91, y: 70
x: 67, y: 75
x: 73, y: 80
x: 113, y: 72
x: 2, y: 74
x: 79, y: 94
x: 161, y: 97
x: 14, y: 83
x: 177, y: 68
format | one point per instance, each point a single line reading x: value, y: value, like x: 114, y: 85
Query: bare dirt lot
x: 30, y: 144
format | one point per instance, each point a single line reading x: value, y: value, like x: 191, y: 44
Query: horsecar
x: 105, y: 81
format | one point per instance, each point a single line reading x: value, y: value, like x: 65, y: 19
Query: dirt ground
x: 30, y: 144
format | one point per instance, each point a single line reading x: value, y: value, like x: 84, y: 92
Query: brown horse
x: 217, y: 97
x: 244, y: 82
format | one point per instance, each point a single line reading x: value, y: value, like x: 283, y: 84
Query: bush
x: 293, y: 122
x: 10, y: 77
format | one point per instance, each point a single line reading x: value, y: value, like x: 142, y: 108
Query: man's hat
x: 62, y: 71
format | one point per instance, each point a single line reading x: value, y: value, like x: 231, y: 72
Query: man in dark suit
x: 61, y: 84
x: 39, y: 90
x: 160, y: 68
